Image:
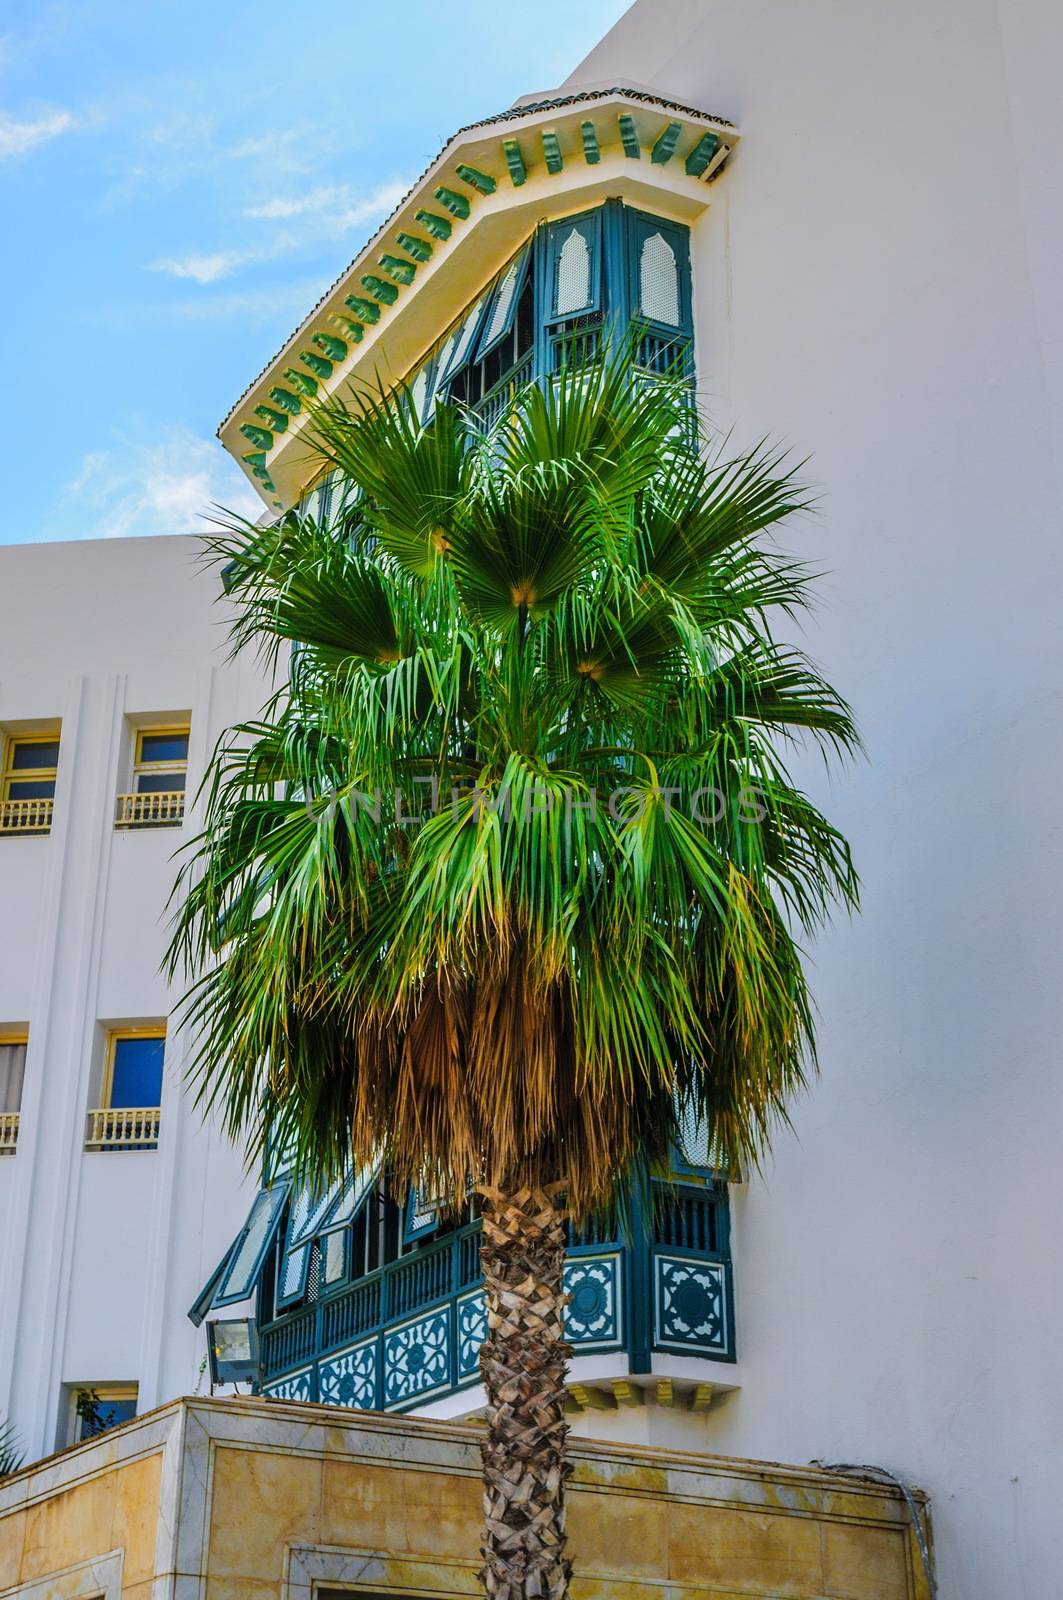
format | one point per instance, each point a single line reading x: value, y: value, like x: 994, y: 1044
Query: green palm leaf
x: 10, y: 1454
x: 460, y: 897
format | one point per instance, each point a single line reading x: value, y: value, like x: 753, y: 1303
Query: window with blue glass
x: 28, y: 769
x: 31, y: 768
x: 99, y: 1409
x: 160, y: 761
x: 134, y: 1070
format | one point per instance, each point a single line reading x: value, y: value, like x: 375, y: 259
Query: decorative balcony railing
x: 497, y: 400
x: 8, y: 1132
x: 134, y: 1128
x: 25, y: 816
x: 162, y: 810
x: 411, y: 1331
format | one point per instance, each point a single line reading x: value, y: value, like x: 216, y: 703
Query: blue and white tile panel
x: 417, y: 1358
x: 472, y: 1331
x: 690, y: 1304
x: 593, y: 1313
x: 349, y: 1378
x: 592, y: 1316
x: 293, y: 1386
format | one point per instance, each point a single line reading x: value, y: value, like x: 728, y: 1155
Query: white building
x: 876, y: 281
x: 853, y: 217
x: 111, y: 1188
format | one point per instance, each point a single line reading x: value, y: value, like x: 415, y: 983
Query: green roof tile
x: 702, y: 153
x: 629, y: 135
x: 418, y: 248
x: 476, y: 179
x: 456, y: 204
x: 438, y: 226
x: 514, y: 161
x: 552, y: 151
x: 317, y: 364
x: 664, y: 149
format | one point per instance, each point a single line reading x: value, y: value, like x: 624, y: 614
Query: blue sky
x: 178, y: 183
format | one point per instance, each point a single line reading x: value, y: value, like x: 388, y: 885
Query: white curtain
x: 12, y: 1068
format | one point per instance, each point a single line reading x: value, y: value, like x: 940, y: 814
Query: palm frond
x: 11, y: 1457
x: 512, y: 865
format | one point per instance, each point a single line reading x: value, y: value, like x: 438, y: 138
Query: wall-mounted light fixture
x: 232, y: 1348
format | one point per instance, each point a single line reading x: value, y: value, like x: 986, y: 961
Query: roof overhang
x: 491, y: 185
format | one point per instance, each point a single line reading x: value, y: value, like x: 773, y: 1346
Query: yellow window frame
x: 12, y: 774
x: 142, y: 768
x: 114, y: 1035
x: 19, y: 1036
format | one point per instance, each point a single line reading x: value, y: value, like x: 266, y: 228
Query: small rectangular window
x: 249, y: 1251
x: 12, y: 1074
x: 27, y: 783
x: 334, y: 1249
x: 136, y: 1070
x: 160, y: 771
x: 127, y: 1117
x: 97, y: 1408
x: 162, y: 750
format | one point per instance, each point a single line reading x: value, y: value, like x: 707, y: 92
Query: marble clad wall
x: 264, y: 1500
x: 63, y: 1521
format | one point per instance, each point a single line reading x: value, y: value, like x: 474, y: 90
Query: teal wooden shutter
x: 574, y: 267
x: 502, y: 309
x: 659, y: 273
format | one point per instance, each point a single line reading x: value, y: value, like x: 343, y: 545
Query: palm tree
x: 10, y: 1454
x: 508, y: 877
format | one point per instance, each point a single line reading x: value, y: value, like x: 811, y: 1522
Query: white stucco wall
x: 878, y: 284
x: 101, y: 1253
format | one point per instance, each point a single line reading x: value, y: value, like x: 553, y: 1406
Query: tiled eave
x: 490, y: 186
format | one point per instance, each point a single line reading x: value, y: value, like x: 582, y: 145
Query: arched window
x: 573, y: 290
x: 659, y: 281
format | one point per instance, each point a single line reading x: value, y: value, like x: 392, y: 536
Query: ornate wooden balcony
x: 8, y: 1132
x: 410, y: 1332
x: 25, y: 816
x: 165, y: 809
x: 135, y: 1128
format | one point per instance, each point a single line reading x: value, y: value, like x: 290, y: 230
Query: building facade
x: 842, y: 223
x: 880, y: 292
x: 114, y: 1194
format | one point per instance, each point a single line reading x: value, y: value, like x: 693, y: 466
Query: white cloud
x: 16, y: 138
x: 262, y: 305
x: 168, y: 487
x: 283, y: 148
x: 333, y: 208
x: 209, y: 266
x: 316, y: 200
x: 378, y: 204
x: 335, y: 205
x: 203, y: 268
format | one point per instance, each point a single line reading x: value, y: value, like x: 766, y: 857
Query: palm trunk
x: 523, y: 1362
